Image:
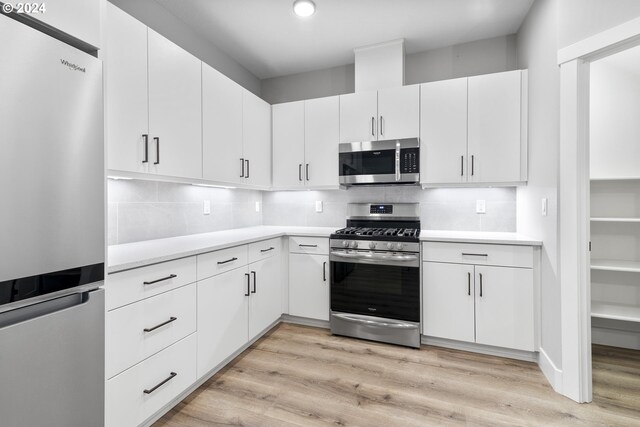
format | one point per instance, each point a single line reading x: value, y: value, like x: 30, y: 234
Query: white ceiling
x: 269, y: 40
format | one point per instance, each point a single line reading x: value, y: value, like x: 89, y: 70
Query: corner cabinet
x: 153, y: 101
x: 484, y: 294
x: 305, y: 143
x: 474, y: 130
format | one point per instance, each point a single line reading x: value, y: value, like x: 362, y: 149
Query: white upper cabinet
x: 443, y: 131
x: 321, y: 140
x: 495, y: 127
x: 175, y: 115
x: 358, y: 116
x: 256, y: 139
x: 221, y: 127
x: 78, y: 18
x: 127, y: 100
x: 399, y: 112
x: 288, y: 144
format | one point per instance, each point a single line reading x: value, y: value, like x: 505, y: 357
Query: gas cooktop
x: 378, y: 232
x: 399, y: 222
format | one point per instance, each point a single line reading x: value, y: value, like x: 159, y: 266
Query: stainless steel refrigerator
x: 51, y: 232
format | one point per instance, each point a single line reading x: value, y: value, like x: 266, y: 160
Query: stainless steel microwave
x: 395, y: 161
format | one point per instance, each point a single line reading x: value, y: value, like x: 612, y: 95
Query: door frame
x: 574, y: 201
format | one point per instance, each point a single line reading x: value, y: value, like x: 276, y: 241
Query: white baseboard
x: 527, y: 356
x: 550, y: 371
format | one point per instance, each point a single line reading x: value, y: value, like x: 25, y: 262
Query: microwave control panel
x: 410, y: 160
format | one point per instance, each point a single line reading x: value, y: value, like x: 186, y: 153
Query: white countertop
x: 139, y: 254
x: 496, y: 238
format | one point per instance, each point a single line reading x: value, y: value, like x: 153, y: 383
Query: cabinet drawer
x: 264, y: 249
x: 309, y: 245
x: 136, y: 394
x: 478, y: 254
x: 133, y: 285
x: 171, y: 315
x: 217, y: 262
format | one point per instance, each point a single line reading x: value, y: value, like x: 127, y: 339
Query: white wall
x: 467, y: 59
x: 537, y: 51
x: 159, y: 19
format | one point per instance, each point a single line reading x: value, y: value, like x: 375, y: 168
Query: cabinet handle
x: 472, y: 165
x: 248, y: 284
x: 157, y: 139
x: 171, y: 276
x: 172, y: 375
x: 300, y: 172
x: 308, y: 246
x: 373, y: 120
x: 324, y: 271
x: 480, y: 284
x: 468, y: 283
x: 229, y: 260
x: 253, y: 273
x: 470, y: 254
x: 267, y: 250
x: 461, y: 165
x: 242, y: 166
x: 145, y: 137
x: 247, y: 168
x: 307, y: 171
x: 171, y: 319
x: 381, y: 129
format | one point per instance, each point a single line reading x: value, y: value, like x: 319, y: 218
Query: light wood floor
x: 303, y: 376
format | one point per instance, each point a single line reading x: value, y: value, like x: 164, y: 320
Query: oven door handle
x: 373, y: 256
x: 387, y: 324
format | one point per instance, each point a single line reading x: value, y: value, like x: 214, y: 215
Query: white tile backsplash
x: 145, y: 210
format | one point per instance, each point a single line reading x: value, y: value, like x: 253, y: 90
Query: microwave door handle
x: 398, y: 161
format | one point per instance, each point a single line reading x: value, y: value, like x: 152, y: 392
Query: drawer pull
x: 227, y: 261
x: 308, y: 246
x: 171, y: 276
x: 172, y: 375
x: 468, y: 254
x: 267, y: 250
x: 171, y: 319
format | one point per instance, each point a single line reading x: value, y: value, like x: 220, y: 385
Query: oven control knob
x: 354, y: 244
x: 345, y: 244
x: 389, y: 245
x: 399, y: 246
x: 372, y: 245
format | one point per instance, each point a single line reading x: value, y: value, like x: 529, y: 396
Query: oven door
x: 376, y: 284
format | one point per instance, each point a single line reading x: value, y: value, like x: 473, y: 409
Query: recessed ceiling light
x: 304, y: 8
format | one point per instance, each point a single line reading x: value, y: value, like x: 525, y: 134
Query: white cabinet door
x: 399, y: 112
x: 443, y: 132
x: 288, y: 144
x: 322, y: 137
x: 504, y: 307
x: 309, y: 286
x: 223, y: 313
x: 175, y: 109
x: 265, y: 303
x: 358, y: 117
x: 494, y: 127
x: 127, y: 101
x: 79, y: 18
x: 221, y: 127
x: 448, y: 301
x: 256, y: 139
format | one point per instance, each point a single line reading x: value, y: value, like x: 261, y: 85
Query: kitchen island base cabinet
x: 309, y: 286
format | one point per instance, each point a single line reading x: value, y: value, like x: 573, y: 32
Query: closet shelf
x: 627, y: 313
x: 615, y: 265
x: 615, y: 219
x: 620, y: 178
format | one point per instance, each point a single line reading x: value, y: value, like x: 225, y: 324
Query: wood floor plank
x: 304, y: 376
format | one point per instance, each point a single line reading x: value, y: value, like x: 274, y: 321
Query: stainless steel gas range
x: 375, y: 274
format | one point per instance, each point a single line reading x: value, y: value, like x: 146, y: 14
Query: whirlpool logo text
x: 73, y: 67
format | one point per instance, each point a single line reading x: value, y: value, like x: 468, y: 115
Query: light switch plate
x: 318, y: 206
x: 206, y: 207
x: 545, y: 206
x: 481, y: 206
x: 257, y: 206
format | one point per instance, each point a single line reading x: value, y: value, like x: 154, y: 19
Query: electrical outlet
x: 481, y: 206
x: 318, y: 206
x: 206, y: 207
x: 257, y: 206
x: 545, y: 206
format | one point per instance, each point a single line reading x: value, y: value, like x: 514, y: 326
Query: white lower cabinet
x: 309, y: 286
x: 486, y: 304
x: 265, y: 304
x: 138, y: 393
